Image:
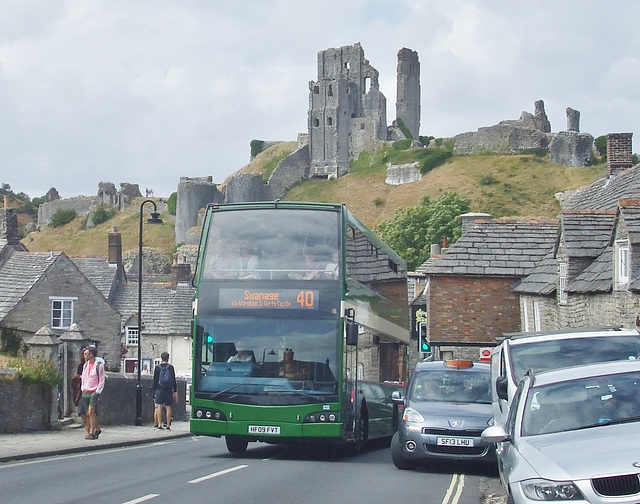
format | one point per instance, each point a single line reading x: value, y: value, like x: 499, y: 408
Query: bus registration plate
x: 262, y: 429
x: 454, y: 441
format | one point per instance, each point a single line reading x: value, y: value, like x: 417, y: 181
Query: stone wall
x: 289, y: 172
x: 81, y: 204
x: 193, y: 194
x: 28, y: 407
x: 23, y: 406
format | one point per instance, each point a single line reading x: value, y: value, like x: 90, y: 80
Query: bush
x: 172, y: 203
x: 487, y: 180
x: 256, y: 147
x: 11, y: 343
x: 101, y: 214
x: 37, y: 370
x: 62, y: 217
x: 402, y: 144
x: 432, y: 159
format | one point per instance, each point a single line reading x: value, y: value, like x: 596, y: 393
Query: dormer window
x: 622, y: 263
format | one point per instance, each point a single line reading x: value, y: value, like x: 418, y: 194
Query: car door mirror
x: 495, y: 434
x: 502, y: 385
x: 396, y: 396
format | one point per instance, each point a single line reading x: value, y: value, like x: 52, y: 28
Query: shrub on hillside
x: 62, y: 217
x: 433, y: 158
x: 102, y: 214
x: 172, y: 203
x: 256, y: 147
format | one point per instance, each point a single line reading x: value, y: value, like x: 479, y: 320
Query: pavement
x: 70, y: 439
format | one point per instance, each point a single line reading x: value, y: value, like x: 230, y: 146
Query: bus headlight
x: 323, y: 417
x: 209, y: 414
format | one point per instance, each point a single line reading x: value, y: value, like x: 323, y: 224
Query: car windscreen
x: 451, y: 386
x: 560, y: 353
x: 581, y: 404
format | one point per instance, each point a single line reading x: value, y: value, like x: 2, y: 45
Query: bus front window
x: 270, y: 361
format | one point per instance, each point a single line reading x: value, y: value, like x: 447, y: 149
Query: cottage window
x: 132, y: 335
x: 622, y: 263
x: 562, y: 293
x: 61, y: 312
x: 537, y: 325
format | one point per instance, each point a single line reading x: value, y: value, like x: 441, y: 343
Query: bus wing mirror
x: 352, y: 333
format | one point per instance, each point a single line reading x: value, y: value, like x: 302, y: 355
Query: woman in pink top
x: 92, y: 386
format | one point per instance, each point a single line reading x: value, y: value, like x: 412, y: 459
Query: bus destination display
x: 286, y: 299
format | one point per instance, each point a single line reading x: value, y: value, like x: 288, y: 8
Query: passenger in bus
x: 243, y: 356
x: 218, y: 263
x: 312, y: 268
x: 246, y: 262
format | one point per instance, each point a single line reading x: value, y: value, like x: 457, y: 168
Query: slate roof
x: 99, y: 272
x: 501, y: 247
x: 630, y: 211
x: 542, y: 279
x: 587, y: 232
x: 163, y: 311
x: 597, y: 277
x: 19, y: 274
x: 606, y: 192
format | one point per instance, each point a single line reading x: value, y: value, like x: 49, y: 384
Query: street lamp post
x: 153, y: 220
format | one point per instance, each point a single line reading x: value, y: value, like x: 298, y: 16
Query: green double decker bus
x: 300, y: 326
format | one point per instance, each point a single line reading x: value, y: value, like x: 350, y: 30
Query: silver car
x: 573, y: 435
x: 447, y: 406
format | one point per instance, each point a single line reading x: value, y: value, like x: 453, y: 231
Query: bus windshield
x: 268, y: 361
x: 272, y: 244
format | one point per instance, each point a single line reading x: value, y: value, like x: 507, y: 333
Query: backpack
x: 165, y: 378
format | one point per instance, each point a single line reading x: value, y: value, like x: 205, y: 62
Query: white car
x: 573, y: 435
x: 553, y: 350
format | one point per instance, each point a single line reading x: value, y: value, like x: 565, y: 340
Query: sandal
x: 97, y: 433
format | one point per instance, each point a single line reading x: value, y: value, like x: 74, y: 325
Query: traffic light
x: 423, y: 340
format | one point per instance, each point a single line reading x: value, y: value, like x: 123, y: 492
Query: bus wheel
x: 236, y: 444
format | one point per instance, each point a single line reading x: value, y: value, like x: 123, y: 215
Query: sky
x: 148, y: 91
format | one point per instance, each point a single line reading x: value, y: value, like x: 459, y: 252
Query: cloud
x: 146, y: 92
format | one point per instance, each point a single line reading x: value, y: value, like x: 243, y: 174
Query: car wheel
x: 236, y: 444
x: 396, y: 455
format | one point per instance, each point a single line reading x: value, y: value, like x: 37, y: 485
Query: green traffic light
x: 209, y: 339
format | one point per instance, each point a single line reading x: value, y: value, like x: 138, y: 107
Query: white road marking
x: 219, y: 473
x: 452, y: 496
x: 142, y: 499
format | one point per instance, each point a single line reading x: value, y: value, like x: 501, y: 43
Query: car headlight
x: 412, y: 416
x: 547, y: 490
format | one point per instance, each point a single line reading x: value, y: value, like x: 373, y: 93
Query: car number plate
x: 454, y: 441
x: 264, y: 429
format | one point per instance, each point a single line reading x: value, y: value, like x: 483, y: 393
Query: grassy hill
x: 514, y: 185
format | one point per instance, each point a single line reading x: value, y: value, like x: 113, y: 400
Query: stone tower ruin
x: 408, y: 91
x: 346, y: 110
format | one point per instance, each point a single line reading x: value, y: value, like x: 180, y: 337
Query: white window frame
x: 622, y: 263
x: 537, y: 326
x: 131, y: 335
x: 525, y: 313
x: 65, y: 307
x: 562, y: 293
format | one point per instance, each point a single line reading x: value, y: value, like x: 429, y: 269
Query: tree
x: 413, y: 229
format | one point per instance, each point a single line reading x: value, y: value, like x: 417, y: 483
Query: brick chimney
x: 115, y: 252
x: 180, y: 273
x: 469, y: 220
x: 9, y: 224
x: 619, y: 153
